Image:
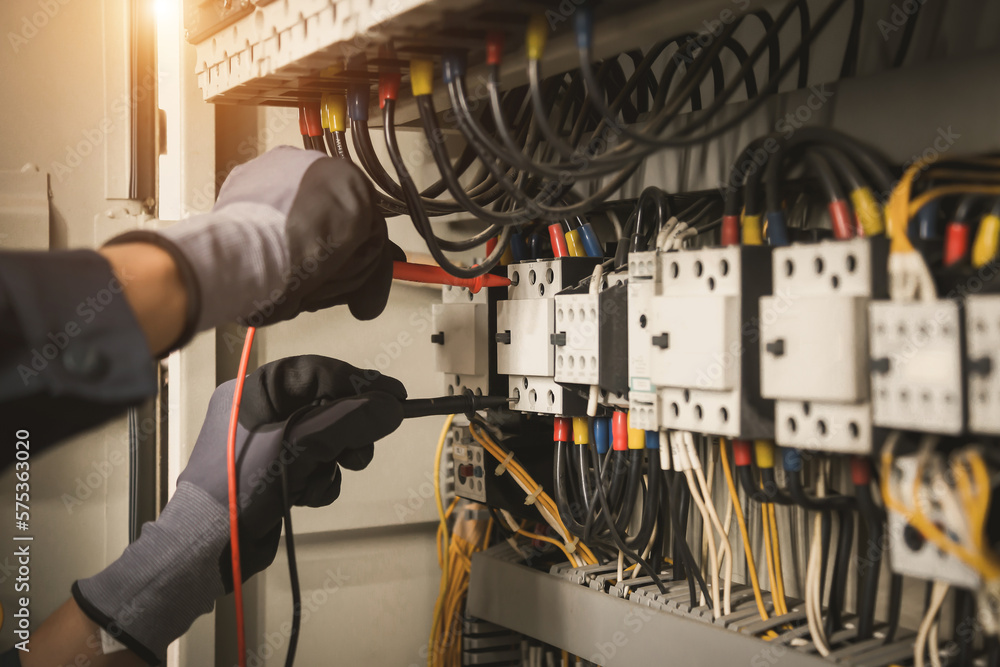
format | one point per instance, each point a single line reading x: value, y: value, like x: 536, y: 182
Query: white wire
x: 727, y: 551
x: 713, y: 556
x: 814, y: 583
x: 938, y: 593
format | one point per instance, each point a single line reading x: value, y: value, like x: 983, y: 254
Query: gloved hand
x: 310, y: 414
x: 291, y: 231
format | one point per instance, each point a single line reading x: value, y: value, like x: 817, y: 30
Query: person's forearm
x: 153, y: 289
x: 68, y: 637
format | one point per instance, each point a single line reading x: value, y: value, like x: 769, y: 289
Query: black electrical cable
x: 895, y: 606
x: 908, y: 30
x: 773, y: 45
x: 631, y: 490
x: 631, y: 555
x: 681, y: 547
x: 849, y: 67
x: 567, y: 512
x: 293, y: 571
x: 874, y: 519
x: 650, y: 508
x: 804, y: 29
x: 420, y: 217
x: 838, y: 581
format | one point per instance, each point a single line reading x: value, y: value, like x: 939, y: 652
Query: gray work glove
x: 291, y: 231
x: 311, y: 414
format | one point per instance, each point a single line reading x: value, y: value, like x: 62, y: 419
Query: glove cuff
x: 234, y: 259
x: 164, y: 580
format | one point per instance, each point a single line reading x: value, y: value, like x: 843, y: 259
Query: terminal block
x: 701, y: 332
x: 982, y: 316
x: 460, y: 335
x: 525, y: 334
x: 469, y: 466
x: 916, y: 366
x: 909, y: 552
x: 814, y: 342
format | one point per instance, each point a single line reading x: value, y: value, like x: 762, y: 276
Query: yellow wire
x: 985, y: 566
x: 443, y: 531
x: 779, y: 579
x: 545, y: 538
x: 543, y: 499
x: 765, y: 525
x: 741, y: 522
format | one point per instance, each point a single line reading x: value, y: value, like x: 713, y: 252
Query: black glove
x: 311, y: 415
x: 291, y: 231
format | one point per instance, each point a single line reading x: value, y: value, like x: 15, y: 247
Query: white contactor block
x: 916, y: 366
x: 982, y: 336
x: 459, y: 333
x: 526, y: 322
x: 814, y: 343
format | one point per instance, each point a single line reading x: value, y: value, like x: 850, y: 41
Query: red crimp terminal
x: 730, y: 230
x: 619, y: 431
x: 559, y: 247
x: 841, y: 219
x: 314, y: 126
x: 303, y: 129
x: 494, y: 48
x: 388, y: 87
x: 562, y: 429
x: 956, y: 242
x: 741, y: 452
x: 861, y: 471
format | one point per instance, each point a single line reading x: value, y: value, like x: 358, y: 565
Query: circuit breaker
x: 814, y: 342
x: 916, y: 366
x: 525, y: 335
x: 982, y: 337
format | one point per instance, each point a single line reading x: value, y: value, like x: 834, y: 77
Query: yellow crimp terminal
x: 537, y: 35
x: 752, y: 234
x: 636, y: 436
x: 324, y: 113
x: 765, y: 453
x: 581, y: 431
x: 868, y: 211
x: 984, y: 248
x: 422, y: 76
x: 574, y: 244
x: 335, y: 111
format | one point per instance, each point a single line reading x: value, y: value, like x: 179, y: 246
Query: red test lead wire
x: 234, y: 530
x: 425, y: 273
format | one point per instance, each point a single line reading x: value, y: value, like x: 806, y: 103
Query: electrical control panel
x: 814, y: 343
x: 909, y: 552
x: 982, y: 313
x: 916, y: 366
x: 526, y: 335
